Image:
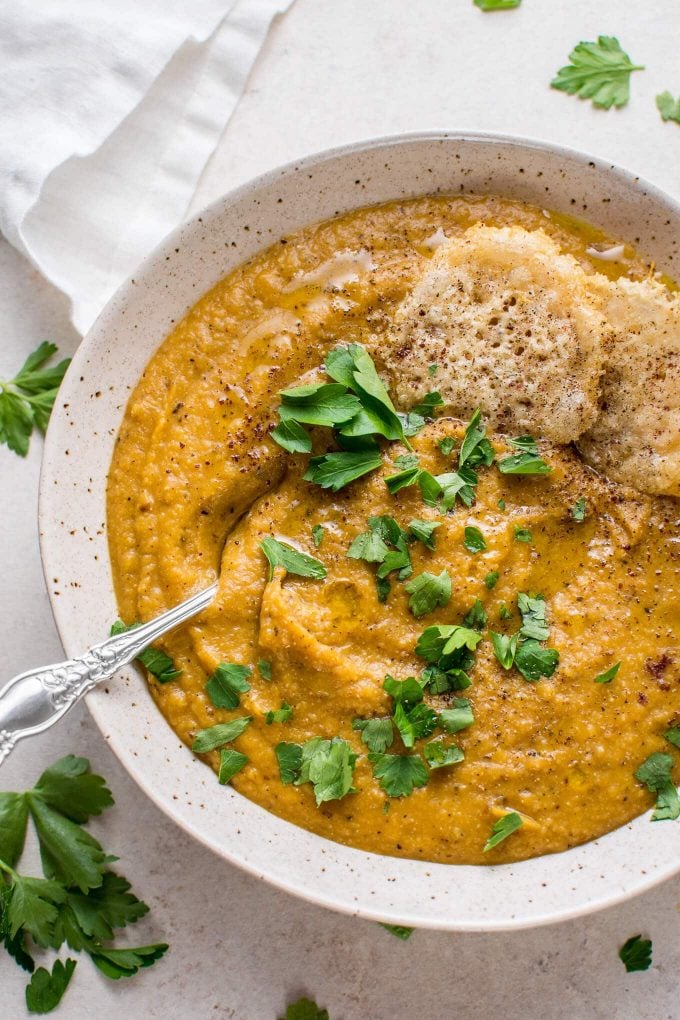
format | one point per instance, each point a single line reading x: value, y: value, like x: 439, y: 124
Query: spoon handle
x: 33, y: 701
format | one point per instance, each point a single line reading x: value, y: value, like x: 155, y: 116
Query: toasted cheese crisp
x: 636, y: 437
x: 509, y: 321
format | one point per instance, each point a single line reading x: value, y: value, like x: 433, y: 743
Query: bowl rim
x: 48, y: 547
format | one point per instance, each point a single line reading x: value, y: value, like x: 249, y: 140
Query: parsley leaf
x: 26, y: 401
x: 280, y: 715
x: 579, y: 510
x: 231, y: 762
x: 608, y: 675
x: 427, y: 406
x: 503, y: 828
x: 673, y: 736
x: 353, y: 366
x: 216, y: 736
x: 69, y: 787
x: 400, y: 931
x: 414, y: 723
x: 428, y: 591
x: 280, y: 554
x: 118, y: 963
x: 446, y: 445
x: 399, y: 774
x: 292, y: 437
x: 155, y: 660
x: 599, y: 71
x: 491, y: 579
x: 326, y: 404
x: 33, y: 906
x: 476, y: 616
x: 526, y: 462
x: 534, y: 662
x: 327, y: 764
x: 227, y: 684
x: 369, y: 546
x: 668, y: 107
x: 13, y: 822
x: 408, y: 476
x: 474, y: 540
x: 335, y: 470
x: 264, y: 668
x: 533, y: 611
x: 432, y: 369
x: 442, y: 639
x: 46, y: 990
x: 304, y: 1009
x: 475, y: 448
x: 424, y: 531
x: 636, y: 953
x: 438, y: 754
x: 523, y: 535
x: 504, y: 648
x: 457, y: 718
x: 656, y: 773
x: 318, y: 534
x: 376, y: 734
x: 497, y: 5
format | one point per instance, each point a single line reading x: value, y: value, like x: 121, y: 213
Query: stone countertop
x: 335, y: 71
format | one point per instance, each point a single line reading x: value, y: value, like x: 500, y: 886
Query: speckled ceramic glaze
x: 73, y: 530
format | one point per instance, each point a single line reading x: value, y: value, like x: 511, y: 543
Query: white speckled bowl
x: 73, y: 529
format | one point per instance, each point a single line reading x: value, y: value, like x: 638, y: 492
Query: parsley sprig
x: 80, y: 901
x: 524, y: 649
x: 599, y: 71
x: 26, y: 401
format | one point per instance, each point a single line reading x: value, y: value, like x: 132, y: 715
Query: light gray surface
x: 335, y: 71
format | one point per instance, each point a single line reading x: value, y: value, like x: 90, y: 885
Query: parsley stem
x: 8, y: 871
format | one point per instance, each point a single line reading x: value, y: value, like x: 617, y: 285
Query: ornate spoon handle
x: 34, y: 701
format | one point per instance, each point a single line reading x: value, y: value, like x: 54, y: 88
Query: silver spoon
x: 34, y: 701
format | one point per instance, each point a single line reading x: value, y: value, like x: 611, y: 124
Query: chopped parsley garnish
x: 501, y: 504
x: 473, y: 539
x: 672, y: 735
x: 432, y: 369
x: 457, y: 718
x: 424, y: 531
x: 26, y: 401
x: 535, y: 662
x: 335, y: 470
x: 579, y: 510
x: 503, y: 828
x: 636, y: 953
x: 318, y: 534
x: 80, y: 901
x: 523, y: 535
x: 504, y: 648
x: 327, y: 764
x: 376, y: 734
x: 497, y: 5
x: 292, y: 437
x: 156, y: 661
x: 476, y: 616
x: 599, y: 71
x: 280, y: 554
x: 449, y: 652
x: 428, y: 405
x: 353, y: 367
x: 491, y: 579
x: 533, y: 611
x: 428, y: 591
x: 385, y: 543
x: 326, y: 404
x: 304, y: 1009
x: 503, y: 612
x: 400, y: 931
x: 264, y: 668
x: 656, y: 773
x: 447, y: 445
x: 414, y: 723
x: 408, y: 474
x: 219, y: 735
x: 524, y: 649
x: 227, y: 684
x: 526, y: 462
x: 399, y: 774
x: 368, y: 546
x: 608, y: 675
x: 231, y: 762
x: 668, y: 107
x: 279, y: 715
x: 475, y: 448
x: 438, y: 754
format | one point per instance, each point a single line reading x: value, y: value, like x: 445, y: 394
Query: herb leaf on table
x: 599, y: 71
x: 26, y: 401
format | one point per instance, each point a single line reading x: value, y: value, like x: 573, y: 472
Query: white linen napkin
x: 110, y: 111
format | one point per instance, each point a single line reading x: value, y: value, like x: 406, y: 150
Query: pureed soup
x: 413, y: 444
